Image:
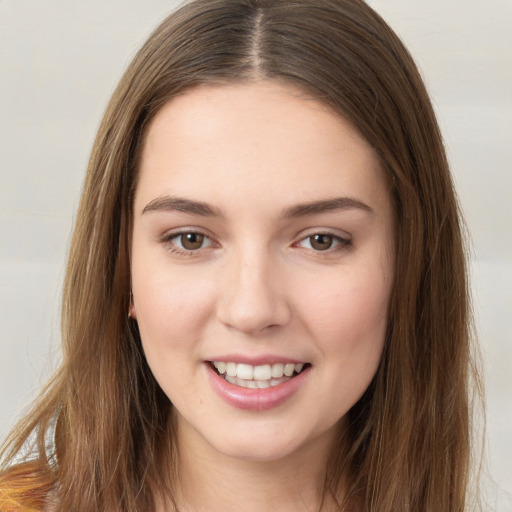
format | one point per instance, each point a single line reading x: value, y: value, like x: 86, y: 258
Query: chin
x: 257, y: 452
x: 272, y: 442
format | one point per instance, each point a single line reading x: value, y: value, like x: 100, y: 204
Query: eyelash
x: 340, y: 243
x: 168, y: 241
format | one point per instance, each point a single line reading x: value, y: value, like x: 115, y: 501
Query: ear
x: 131, y: 310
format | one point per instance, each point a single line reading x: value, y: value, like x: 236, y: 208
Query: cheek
x: 349, y: 325
x: 170, y: 306
x: 171, y: 313
x: 349, y: 313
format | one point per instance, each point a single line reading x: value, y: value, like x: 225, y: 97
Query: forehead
x: 228, y: 141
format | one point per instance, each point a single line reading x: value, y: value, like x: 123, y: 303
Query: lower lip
x: 255, y: 399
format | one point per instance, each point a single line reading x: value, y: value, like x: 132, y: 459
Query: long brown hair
x: 408, y: 441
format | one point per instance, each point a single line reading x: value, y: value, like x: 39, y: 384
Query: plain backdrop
x: 59, y: 63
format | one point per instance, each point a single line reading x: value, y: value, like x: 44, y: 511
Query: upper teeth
x: 261, y: 372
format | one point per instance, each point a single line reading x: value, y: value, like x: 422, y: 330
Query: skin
x: 258, y: 286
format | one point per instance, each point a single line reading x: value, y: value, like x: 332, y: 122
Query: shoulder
x: 27, y: 487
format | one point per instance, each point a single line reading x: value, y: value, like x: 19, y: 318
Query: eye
x: 322, y: 242
x: 187, y: 242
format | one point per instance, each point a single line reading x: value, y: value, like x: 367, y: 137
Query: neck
x: 211, y: 481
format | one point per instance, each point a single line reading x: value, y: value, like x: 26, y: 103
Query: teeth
x: 221, y: 367
x: 277, y: 370
x: 289, y: 369
x: 254, y: 384
x: 246, y: 371
x: 257, y: 376
x: 262, y: 372
x: 232, y: 380
x: 231, y: 369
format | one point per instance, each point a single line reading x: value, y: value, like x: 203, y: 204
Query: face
x: 262, y: 256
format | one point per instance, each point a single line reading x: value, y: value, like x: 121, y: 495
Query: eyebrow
x: 316, y: 207
x: 181, y: 204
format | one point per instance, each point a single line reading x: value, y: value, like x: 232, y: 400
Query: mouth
x: 257, y: 377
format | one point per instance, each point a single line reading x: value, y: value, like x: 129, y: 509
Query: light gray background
x: 59, y: 63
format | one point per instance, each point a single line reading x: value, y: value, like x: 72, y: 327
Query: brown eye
x: 321, y: 242
x: 191, y: 241
x: 324, y: 242
x: 187, y: 243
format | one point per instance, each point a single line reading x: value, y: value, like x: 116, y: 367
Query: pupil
x: 321, y: 242
x: 192, y: 241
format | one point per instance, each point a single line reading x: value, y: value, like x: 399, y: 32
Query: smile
x: 257, y: 377
x: 257, y: 387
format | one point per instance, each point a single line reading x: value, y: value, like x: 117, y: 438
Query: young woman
x: 266, y: 302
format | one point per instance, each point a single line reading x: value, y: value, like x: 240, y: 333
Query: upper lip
x: 256, y: 360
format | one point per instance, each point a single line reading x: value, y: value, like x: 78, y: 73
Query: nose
x: 253, y: 295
